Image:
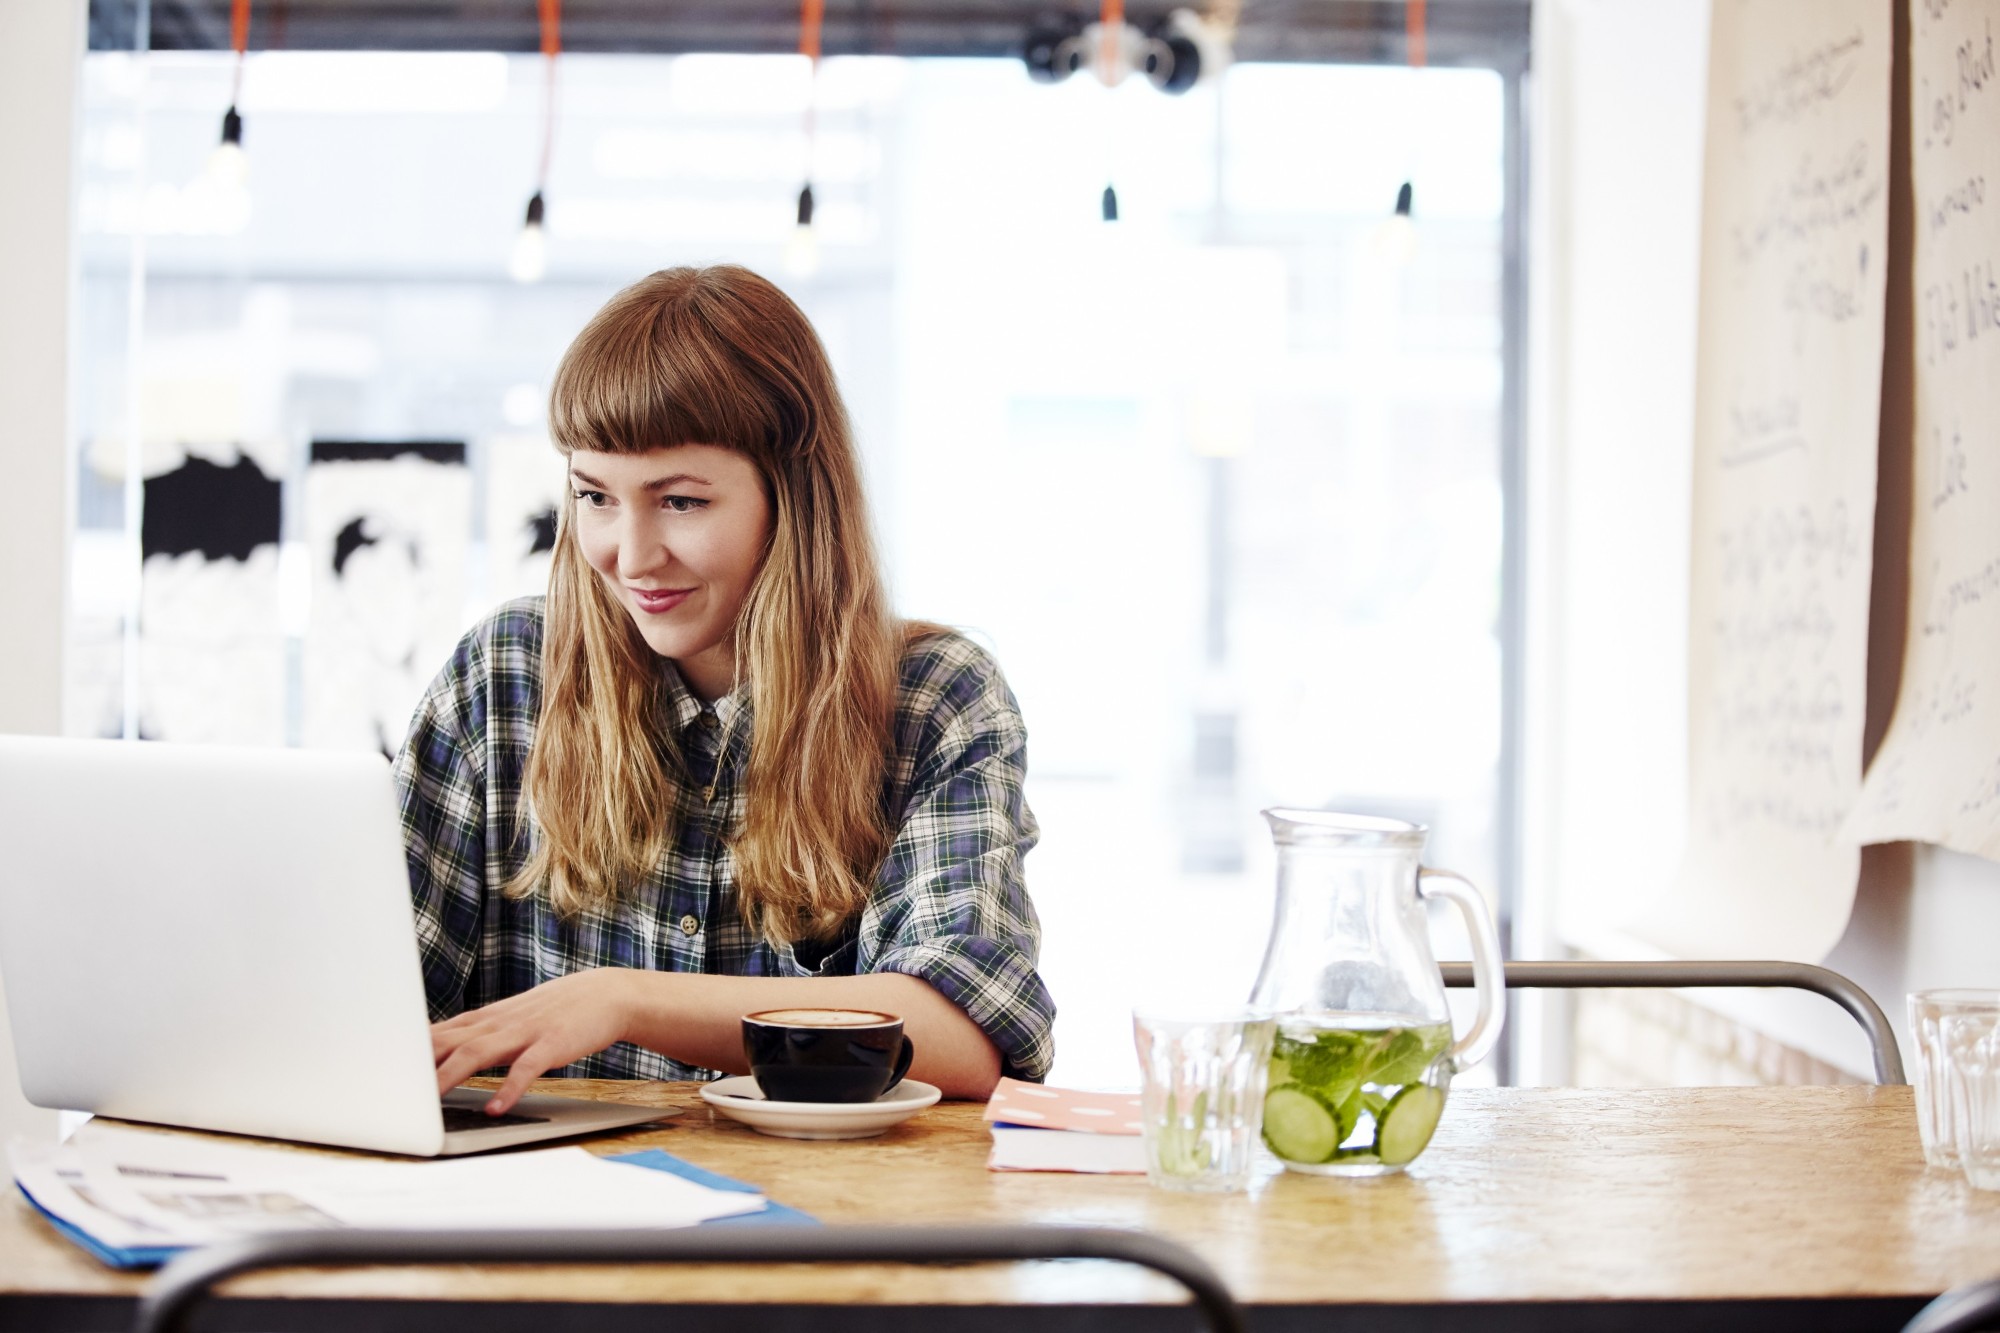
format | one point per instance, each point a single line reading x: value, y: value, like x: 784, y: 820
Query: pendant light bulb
x: 229, y: 165
x: 802, y: 248
x: 530, y: 258
x: 1110, y: 204
x: 1395, y: 240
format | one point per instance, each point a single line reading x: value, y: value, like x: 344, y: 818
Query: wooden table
x: 1534, y: 1208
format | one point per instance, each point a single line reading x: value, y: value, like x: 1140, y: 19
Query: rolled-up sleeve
x: 951, y: 905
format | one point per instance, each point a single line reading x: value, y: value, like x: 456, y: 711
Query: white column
x: 41, y: 50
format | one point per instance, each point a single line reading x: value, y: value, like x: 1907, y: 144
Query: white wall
x: 1617, y: 154
x: 41, y: 44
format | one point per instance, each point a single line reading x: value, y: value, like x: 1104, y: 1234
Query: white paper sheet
x: 557, y: 1187
x: 132, y: 1188
x: 1937, y: 775
x: 1787, y: 401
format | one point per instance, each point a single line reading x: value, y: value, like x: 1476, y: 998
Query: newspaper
x: 131, y: 1189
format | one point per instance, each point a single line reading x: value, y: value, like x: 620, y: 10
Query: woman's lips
x: 660, y: 601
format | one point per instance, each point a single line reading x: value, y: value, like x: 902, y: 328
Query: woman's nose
x: 640, y: 550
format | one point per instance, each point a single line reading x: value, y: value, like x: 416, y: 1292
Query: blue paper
x: 150, y: 1256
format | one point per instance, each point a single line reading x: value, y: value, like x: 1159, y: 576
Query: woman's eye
x: 683, y: 504
x: 595, y: 499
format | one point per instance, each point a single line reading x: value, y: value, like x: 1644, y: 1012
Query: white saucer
x: 817, y: 1120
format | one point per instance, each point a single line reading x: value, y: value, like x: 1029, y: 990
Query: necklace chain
x: 721, y: 754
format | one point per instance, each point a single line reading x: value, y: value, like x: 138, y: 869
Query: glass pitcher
x: 1364, y: 1054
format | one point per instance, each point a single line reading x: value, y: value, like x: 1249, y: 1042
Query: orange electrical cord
x: 1111, y: 19
x: 1413, y: 23
x: 812, y: 15
x: 550, y: 12
x: 551, y: 15
x: 239, y: 41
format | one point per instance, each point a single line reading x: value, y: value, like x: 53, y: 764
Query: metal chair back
x: 184, y: 1281
x: 1593, y: 975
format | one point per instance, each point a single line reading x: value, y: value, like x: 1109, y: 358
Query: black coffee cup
x: 826, y: 1055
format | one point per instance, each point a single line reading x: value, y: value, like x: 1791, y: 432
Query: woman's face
x: 677, y: 535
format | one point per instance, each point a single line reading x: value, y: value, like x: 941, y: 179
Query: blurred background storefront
x: 1224, y: 482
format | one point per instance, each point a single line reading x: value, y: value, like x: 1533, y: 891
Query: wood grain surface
x: 1527, y: 1194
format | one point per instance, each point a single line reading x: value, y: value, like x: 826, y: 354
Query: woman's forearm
x: 695, y: 1018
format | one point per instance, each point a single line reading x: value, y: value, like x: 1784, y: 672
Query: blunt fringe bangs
x: 686, y: 357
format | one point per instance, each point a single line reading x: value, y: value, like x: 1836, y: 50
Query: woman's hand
x: 534, y: 1032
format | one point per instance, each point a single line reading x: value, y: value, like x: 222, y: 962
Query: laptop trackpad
x: 462, y: 1118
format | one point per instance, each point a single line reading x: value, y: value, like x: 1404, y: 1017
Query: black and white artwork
x: 211, y: 644
x: 387, y: 531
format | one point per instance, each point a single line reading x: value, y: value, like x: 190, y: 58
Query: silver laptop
x: 221, y: 938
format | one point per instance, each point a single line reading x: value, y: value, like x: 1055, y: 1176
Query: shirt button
x: 689, y: 925
x: 708, y: 721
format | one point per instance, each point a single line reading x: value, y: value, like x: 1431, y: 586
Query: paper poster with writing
x: 1936, y: 777
x: 1787, y: 399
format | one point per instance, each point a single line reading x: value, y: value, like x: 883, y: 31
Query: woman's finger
x: 469, y: 1059
x: 530, y: 1065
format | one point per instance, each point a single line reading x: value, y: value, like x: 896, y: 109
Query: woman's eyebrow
x: 657, y: 484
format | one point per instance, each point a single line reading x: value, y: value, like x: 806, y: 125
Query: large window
x: 1220, y: 482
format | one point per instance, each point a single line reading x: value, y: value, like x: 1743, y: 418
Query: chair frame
x: 1975, y: 1305
x: 185, y: 1280
x: 1594, y: 975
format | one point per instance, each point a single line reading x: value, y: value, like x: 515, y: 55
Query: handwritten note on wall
x: 1937, y: 774
x: 1788, y: 388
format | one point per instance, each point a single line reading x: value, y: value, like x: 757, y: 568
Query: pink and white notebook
x: 1037, y: 1128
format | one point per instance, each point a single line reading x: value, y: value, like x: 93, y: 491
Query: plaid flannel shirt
x: 948, y: 905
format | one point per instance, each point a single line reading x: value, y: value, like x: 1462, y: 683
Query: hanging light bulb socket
x: 529, y: 261
x: 802, y: 249
x: 1395, y: 239
x: 1110, y: 204
x: 228, y: 165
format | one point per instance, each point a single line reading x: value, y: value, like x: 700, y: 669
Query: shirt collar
x: 684, y: 706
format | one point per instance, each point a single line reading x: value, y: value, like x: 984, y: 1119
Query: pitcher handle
x: 1487, y: 978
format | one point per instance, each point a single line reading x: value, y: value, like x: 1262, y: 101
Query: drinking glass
x: 1203, y: 1095
x: 1940, y: 1090
x: 1972, y: 1046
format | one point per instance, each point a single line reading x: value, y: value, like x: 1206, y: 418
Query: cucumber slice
x: 1297, y: 1127
x: 1407, y: 1123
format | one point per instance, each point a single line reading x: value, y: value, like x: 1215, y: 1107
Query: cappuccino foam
x: 823, y: 1018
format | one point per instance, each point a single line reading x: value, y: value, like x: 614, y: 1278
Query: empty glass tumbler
x: 1203, y: 1096
x: 1947, y: 1026
x: 1972, y: 1049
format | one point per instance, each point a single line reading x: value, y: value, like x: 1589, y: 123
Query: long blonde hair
x: 720, y: 356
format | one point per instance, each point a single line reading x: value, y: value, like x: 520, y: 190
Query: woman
x: 710, y: 773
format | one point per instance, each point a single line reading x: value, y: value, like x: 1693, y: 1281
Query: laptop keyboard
x: 458, y: 1118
